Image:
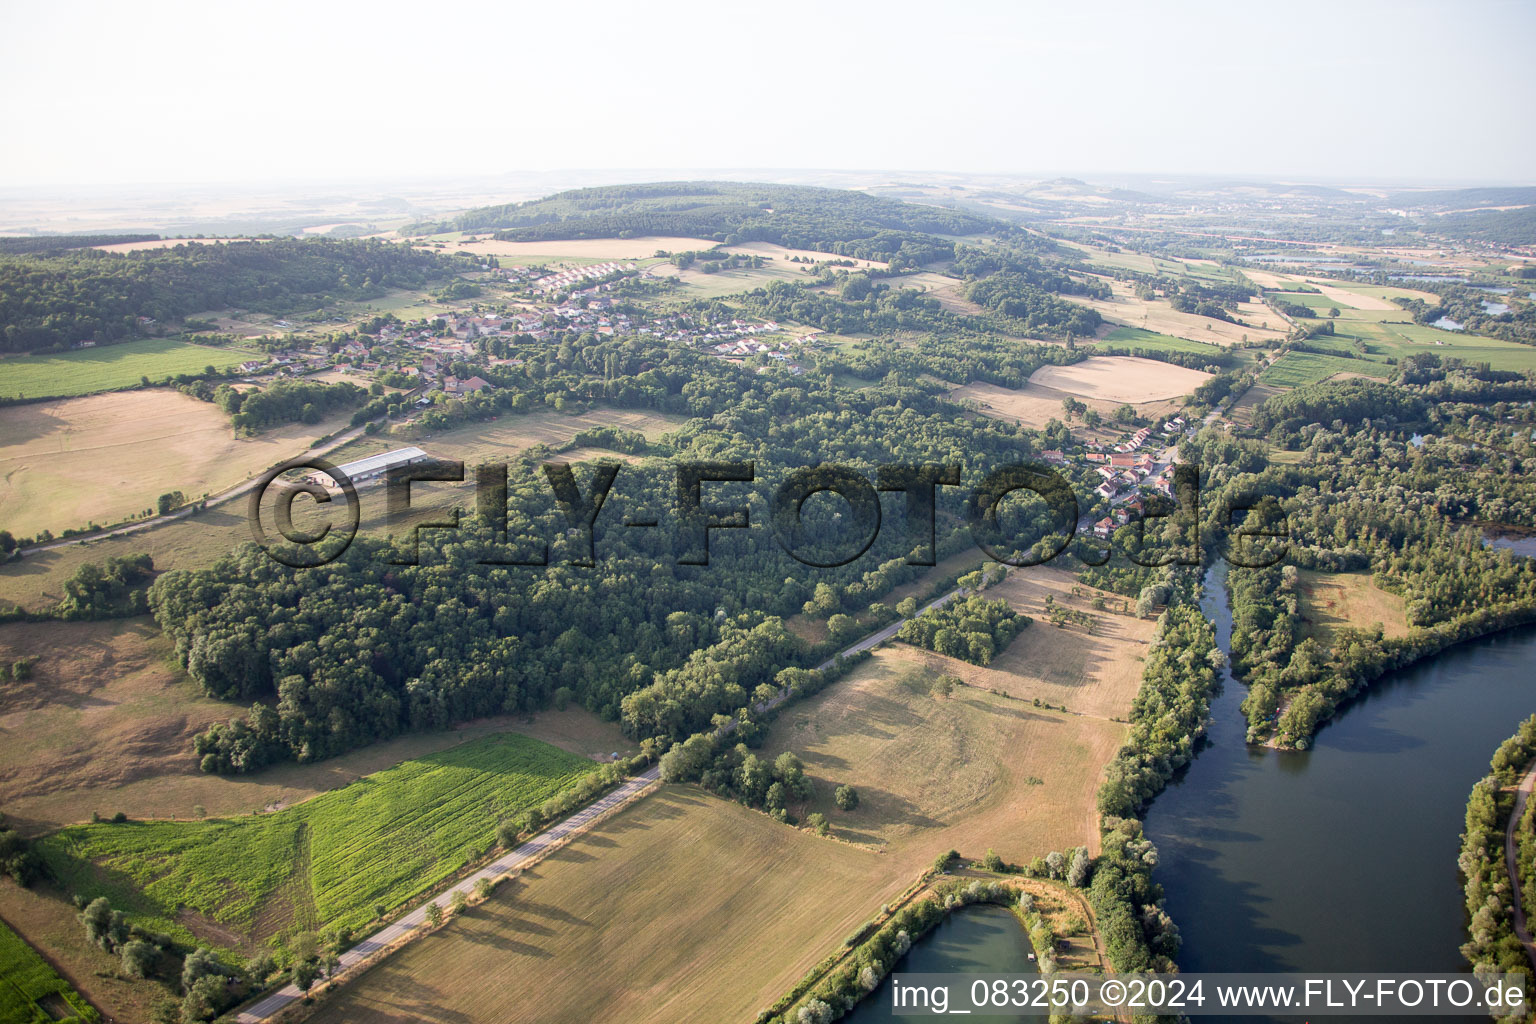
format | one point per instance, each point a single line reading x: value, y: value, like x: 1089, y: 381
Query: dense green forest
x: 361, y: 649
x: 1388, y: 481
x: 801, y: 217
x: 50, y: 302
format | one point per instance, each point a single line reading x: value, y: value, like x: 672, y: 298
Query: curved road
x: 1522, y: 927
x: 633, y: 789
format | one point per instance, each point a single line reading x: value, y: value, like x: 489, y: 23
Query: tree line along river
x: 1337, y: 858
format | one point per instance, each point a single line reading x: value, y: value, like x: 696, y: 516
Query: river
x: 1342, y: 857
x: 1339, y: 858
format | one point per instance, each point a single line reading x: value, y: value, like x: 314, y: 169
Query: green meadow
x: 334, y: 860
x: 111, y: 367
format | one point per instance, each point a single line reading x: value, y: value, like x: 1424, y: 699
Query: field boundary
x: 378, y: 946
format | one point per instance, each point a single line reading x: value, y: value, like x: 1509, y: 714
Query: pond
x: 978, y: 939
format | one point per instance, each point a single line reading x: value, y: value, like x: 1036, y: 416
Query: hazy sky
x: 103, y: 93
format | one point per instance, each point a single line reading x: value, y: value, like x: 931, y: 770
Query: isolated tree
x: 815, y: 1012
x: 943, y: 686
x: 1055, y: 863
x: 434, y: 914
x: 482, y: 887
x: 97, y: 919
x: 303, y: 974
x: 992, y: 861
x: 1077, y: 872
x: 458, y: 901
x: 906, y: 607
x: 139, y: 957
x: 818, y: 821
x: 846, y: 797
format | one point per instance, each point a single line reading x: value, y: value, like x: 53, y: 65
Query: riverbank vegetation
x: 1387, y: 478
x: 1492, y: 945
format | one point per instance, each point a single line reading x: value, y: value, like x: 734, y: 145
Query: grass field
x: 110, y: 367
x: 1136, y: 337
x: 114, y: 684
x: 1120, y: 379
x: 31, y: 991
x: 683, y: 907
x: 1295, y: 369
x: 329, y: 861
x: 1335, y: 600
x: 106, y: 458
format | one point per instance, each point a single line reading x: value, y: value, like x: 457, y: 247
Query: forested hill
x: 52, y: 301
x: 797, y: 216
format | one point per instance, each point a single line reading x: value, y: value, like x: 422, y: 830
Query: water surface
x: 1342, y: 857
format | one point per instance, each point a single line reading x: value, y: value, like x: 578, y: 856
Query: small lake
x: 1495, y: 308
x: 1425, y: 277
x: 1445, y: 323
x: 979, y: 939
x: 1519, y: 545
x: 1341, y: 857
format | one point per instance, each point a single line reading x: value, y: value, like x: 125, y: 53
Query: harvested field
x: 1120, y: 379
x: 1157, y: 315
x: 1351, y: 299
x: 939, y: 773
x: 168, y: 243
x: 1338, y: 600
x: 108, y: 457
x: 781, y: 253
x: 660, y: 914
x: 114, y: 683
x: 1242, y: 410
x: 512, y: 434
x: 583, y: 249
x: 1030, y: 406
x: 949, y: 291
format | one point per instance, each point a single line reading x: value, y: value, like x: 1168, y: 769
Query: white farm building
x: 373, y: 467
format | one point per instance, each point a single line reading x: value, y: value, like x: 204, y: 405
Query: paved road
x: 509, y: 862
x: 879, y: 637
x: 1522, y: 927
x: 228, y: 494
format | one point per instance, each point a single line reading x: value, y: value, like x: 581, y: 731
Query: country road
x: 270, y: 1005
x: 265, y: 1008
x: 228, y: 494
x: 1522, y: 926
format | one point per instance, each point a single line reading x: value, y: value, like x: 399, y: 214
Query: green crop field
x: 1137, y: 337
x: 30, y: 991
x: 329, y: 861
x: 110, y: 367
x: 1295, y: 369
